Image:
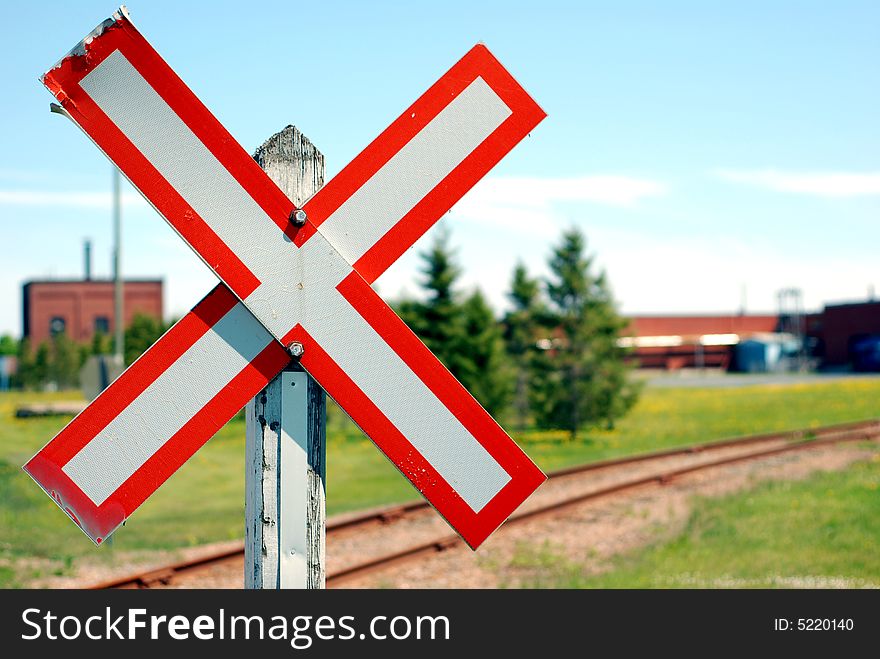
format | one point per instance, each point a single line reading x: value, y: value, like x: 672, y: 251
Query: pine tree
x: 437, y: 320
x: 583, y: 378
x: 463, y: 336
x: 8, y: 345
x: 101, y: 344
x: 42, y: 360
x: 26, y: 370
x: 521, y: 334
x: 485, y: 371
x: 64, y: 363
x: 143, y: 332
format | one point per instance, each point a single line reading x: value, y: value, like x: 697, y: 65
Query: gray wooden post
x: 286, y: 436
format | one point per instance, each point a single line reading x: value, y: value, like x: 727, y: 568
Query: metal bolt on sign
x: 299, y: 217
x: 107, y: 461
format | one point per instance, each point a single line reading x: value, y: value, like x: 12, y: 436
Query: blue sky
x: 704, y: 148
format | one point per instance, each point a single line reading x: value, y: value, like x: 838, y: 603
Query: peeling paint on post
x: 286, y: 437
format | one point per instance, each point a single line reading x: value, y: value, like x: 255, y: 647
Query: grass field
x: 203, y: 502
x: 817, y: 533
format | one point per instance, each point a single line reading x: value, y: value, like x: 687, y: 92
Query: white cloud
x: 650, y: 273
x: 707, y: 273
x: 821, y: 184
x: 609, y: 190
x: 66, y: 199
x: 528, y: 204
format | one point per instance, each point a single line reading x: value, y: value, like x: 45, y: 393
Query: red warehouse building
x: 80, y: 308
x: 673, y: 342
x: 841, y: 325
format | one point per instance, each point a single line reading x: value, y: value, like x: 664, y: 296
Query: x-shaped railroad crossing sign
x: 290, y: 276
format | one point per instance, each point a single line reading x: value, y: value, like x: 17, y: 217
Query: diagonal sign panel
x: 308, y: 284
x: 110, y: 458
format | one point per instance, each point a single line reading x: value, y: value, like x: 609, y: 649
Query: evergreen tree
x: 42, y: 361
x: 582, y: 377
x: 143, y: 332
x: 436, y: 321
x: 64, y: 363
x: 463, y: 336
x: 8, y: 345
x: 84, y: 350
x: 521, y: 326
x: 101, y: 344
x: 26, y: 369
x: 485, y: 371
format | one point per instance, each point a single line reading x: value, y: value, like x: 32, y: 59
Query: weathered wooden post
x: 286, y: 437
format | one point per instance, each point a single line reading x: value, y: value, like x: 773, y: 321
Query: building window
x: 102, y: 325
x: 57, y: 325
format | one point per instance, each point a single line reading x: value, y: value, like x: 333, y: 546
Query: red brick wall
x: 699, y: 325
x: 690, y: 328
x: 685, y: 356
x: 79, y: 303
x: 842, y: 322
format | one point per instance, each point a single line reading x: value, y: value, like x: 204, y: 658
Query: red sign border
x: 64, y: 80
x: 47, y: 466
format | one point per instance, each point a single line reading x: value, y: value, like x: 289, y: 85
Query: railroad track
x: 755, y: 447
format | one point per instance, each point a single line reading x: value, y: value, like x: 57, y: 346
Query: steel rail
x: 446, y: 542
x: 801, y: 438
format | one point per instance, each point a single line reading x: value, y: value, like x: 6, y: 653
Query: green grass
x: 203, y: 502
x: 664, y: 418
x: 817, y: 533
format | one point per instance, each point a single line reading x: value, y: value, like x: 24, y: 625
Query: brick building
x: 82, y: 307
x: 673, y: 342
x: 841, y: 325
